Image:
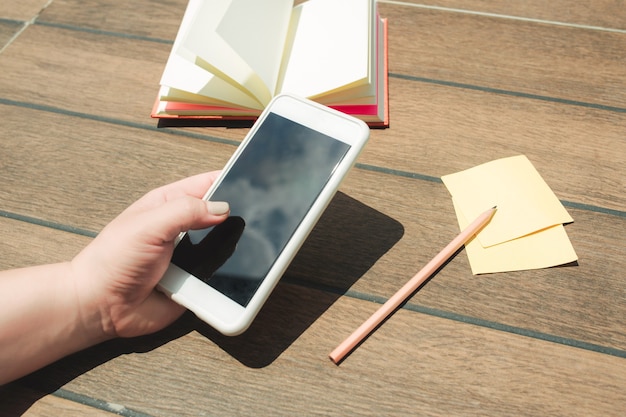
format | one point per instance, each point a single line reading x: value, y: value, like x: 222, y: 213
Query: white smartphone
x: 278, y: 182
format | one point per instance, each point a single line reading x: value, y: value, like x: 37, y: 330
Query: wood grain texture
x: 59, y: 403
x: 8, y: 29
x: 409, y: 219
x: 442, y: 367
x: 78, y: 146
x: 578, y: 151
x: 51, y: 405
x: 92, y: 170
x: 446, y: 117
x: 525, y: 57
x: 24, y: 10
x: 25, y: 244
x: 608, y: 14
x: 156, y: 19
x: 93, y: 74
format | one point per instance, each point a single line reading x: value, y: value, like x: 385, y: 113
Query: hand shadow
x: 349, y: 238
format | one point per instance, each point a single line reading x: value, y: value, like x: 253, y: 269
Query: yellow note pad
x: 525, y: 202
x: 543, y: 249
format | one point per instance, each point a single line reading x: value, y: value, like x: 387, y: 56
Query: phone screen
x: 270, y: 188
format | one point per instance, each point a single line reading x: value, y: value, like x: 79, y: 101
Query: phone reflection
x: 204, y: 251
x: 271, y: 187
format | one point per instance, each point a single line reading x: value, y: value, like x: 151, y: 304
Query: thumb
x: 183, y: 214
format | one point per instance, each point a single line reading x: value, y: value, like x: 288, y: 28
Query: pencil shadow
x: 348, y: 239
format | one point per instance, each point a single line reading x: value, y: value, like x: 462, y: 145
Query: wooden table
x: 470, y: 81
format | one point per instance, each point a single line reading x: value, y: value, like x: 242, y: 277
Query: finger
x: 156, y: 312
x: 194, y: 186
x: 167, y: 221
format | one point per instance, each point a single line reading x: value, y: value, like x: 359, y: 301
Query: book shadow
x: 204, y: 122
x: 219, y: 122
x: 349, y: 238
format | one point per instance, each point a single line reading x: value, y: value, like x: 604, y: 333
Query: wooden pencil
x: 339, y: 353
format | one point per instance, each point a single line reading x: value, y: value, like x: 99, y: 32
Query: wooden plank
x: 450, y: 121
x: 95, y: 74
x: 524, y: 57
x: 93, y: 151
x: 8, y: 29
x: 23, y: 10
x: 105, y: 167
x: 498, y: 62
x: 49, y: 405
x: 602, y: 14
x: 519, y: 299
x: 137, y: 18
x: 407, y: 222
x: 414, y: 364
x: 438, y: 130
x: 99, y: 14
x: 26, y: 244
x: 111, y: 77
x: 521, y: 58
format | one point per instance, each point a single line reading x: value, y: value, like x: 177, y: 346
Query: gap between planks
x: 502, y: 16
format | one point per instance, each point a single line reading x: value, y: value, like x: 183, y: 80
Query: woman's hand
x: 108, y: 289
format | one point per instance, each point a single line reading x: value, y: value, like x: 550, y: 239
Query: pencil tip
x: 494, y: 207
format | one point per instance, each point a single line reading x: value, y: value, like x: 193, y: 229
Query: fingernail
x: 218, y: 208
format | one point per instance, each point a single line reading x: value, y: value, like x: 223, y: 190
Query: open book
x: 231, y: 57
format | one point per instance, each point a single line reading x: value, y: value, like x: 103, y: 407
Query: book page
x: 366, y: 94
x: 184, y: 97
x: 330, y: 46
x: 182, y: 75
x: 241, y: 41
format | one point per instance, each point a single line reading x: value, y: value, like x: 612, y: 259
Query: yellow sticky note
x: 542, y: 249
x: 526, y: 204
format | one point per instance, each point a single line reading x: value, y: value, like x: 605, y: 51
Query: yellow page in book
x: 330, y: 48
x: 187, y: 82
x: 525, y: 202
x: 174, y: 95
x: 240, y: 41
x: 183, y: 80
x: 542, y: 249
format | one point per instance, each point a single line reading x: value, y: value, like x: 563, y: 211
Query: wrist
x: 42, y: 319
x: 90, y: 319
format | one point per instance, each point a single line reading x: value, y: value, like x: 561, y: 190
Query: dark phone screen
x: 270, y: 188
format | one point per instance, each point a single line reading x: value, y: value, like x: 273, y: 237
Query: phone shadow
x: 349, y: 238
